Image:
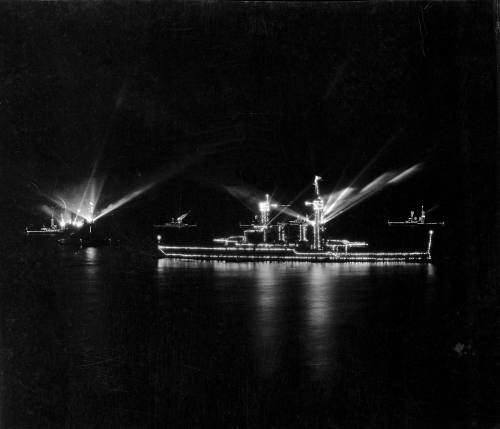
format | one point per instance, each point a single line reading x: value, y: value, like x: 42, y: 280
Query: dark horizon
x: 195, y: 97
x: 266, y: 95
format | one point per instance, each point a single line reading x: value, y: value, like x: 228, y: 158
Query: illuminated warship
x: 59, y: 228
x: 62, y: 227
x: 73, y: 230
x: 301, y: 239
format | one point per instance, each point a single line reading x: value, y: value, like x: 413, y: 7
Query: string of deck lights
x: 282, y: 253
x: 307, y: 257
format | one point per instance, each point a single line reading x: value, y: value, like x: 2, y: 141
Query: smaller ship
x: 176, y: 223
x: 74, y: 230
x: 178, y: 231
x: 415, y: 221
x: 54, y: 229
x: 63, y: 227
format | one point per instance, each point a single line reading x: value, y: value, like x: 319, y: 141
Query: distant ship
x: 176, y: 223
x: 301, y: 239
x: 54, y: 229
x: 77, y: 232
x: 415, y: 221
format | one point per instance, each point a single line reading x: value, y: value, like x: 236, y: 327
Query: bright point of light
x: 158, y: 237
x: 79, y: 224
x: 62, y: 224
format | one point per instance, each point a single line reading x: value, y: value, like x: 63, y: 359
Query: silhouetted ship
x: 301, y: 239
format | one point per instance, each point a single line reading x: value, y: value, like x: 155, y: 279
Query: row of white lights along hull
x: 314, y: 249
x: 278, y: 254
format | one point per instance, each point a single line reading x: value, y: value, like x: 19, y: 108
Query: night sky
x: 262, y: 95
x: 199, y: 96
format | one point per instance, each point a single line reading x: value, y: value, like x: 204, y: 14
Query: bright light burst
x: 339, y: 202
x: 77, y: 203
x: 172, y: 170
x: 80, y: 203
x: 124, y: 200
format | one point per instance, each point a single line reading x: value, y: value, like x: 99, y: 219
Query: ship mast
x: 318, y: 206
x: 265, y: 209
x: 52, y: 223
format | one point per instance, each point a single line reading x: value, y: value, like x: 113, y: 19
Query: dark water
x: 101, y: 338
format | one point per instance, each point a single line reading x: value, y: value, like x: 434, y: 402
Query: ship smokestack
x: 281, y: 233
x: 303, y: 231
x: 265, y: 209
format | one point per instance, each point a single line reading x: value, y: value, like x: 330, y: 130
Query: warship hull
x: 261, y: 253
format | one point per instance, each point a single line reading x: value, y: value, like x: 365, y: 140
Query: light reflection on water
x: 296, y: 309
x: 319, y: 306
x: 268, y: 320
x: 89, y: 300
x: 90, y: 253
x: 189, y: 340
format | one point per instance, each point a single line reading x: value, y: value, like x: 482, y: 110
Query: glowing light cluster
x: 251, y: 197
x: 77, y: 203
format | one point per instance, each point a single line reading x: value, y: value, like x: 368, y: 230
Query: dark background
x: 262, y: 95
x: 259, y: 94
